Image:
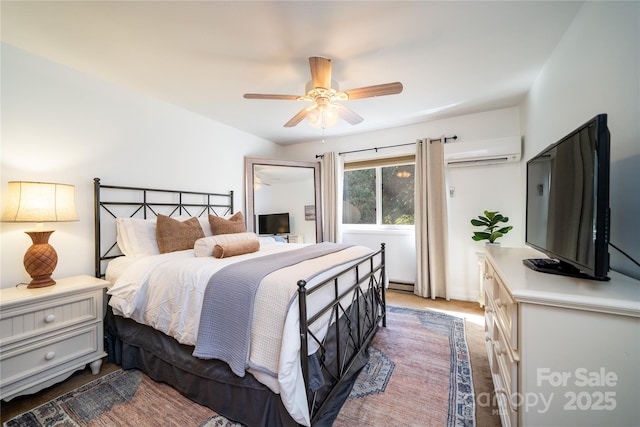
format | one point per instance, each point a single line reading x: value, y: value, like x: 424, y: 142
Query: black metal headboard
x: 112, y: 201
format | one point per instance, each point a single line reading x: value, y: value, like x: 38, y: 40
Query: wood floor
x: 486, y: 414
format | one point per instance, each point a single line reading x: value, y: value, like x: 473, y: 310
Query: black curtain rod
x: 319, y: 156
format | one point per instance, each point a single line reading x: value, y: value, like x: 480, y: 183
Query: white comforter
x: 166, y: 291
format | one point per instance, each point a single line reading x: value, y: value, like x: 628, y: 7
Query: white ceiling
x: 453, y: 57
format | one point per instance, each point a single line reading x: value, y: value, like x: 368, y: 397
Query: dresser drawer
x: 501, y: 335
x: 504, y: 306
x: 26, y: 321
x: 508, y: 417
x: 503, y: 387
x: 487, y: 280
x: 38, y: 356
x: 507, y: 368
x: 504, y: 370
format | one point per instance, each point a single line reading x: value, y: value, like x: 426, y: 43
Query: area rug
x: 430, y: 383
x: 418, y: 374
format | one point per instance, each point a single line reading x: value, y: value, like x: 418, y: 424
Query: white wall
x: 476, y: 189
x: 400, y: 249
x: 61, y: 125
x: 596, y: 69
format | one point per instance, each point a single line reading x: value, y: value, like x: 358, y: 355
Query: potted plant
x: 492, y: 230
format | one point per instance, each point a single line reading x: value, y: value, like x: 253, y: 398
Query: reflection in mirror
x: 283, y: 198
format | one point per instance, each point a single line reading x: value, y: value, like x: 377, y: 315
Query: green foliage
x: 360, y: 192
x: 397, y: 195
x: 401, y: 220
x: 492, y: 230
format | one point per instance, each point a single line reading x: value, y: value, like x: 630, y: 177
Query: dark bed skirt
x: 211, y: 382
x: 207, y: 382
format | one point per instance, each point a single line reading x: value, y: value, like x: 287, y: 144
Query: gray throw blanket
x: 227, y: 306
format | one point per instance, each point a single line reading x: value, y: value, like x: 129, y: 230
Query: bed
x: 298, y: 319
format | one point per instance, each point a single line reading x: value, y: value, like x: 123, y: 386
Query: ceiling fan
x: 325, y: 97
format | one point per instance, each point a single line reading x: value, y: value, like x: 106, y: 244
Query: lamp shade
x: 40, y: 202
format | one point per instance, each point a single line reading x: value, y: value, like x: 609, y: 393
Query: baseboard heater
x: 401, y: 286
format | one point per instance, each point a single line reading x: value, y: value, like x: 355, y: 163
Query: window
x: 379, y: 192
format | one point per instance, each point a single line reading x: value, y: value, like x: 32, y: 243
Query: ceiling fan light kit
x: 325, y: 96
x: 323, y: 115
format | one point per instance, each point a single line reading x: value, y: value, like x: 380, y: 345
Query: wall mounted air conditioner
x: 477, y: 153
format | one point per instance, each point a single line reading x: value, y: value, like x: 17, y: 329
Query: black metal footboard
x: 357, y: 309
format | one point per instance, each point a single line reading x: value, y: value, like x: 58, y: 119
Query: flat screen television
x: 274, y: 223
x: 567, y: 214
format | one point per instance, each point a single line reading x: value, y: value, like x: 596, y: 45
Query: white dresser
x: 46, y: 334
x: 562, y: 351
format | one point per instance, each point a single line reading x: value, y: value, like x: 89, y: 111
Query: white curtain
x: 332, y: 167
x: 430, y: 220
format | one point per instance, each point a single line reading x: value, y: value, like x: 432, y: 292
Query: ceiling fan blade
x: 349, y: 115
x: 296, y: 119
x: 263, y: 96
x: 320, y: 72
x: 376, y: 90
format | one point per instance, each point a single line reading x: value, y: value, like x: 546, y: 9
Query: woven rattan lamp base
x: 40, y: 260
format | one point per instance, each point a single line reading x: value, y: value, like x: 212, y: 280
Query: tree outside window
x: 379, y: 195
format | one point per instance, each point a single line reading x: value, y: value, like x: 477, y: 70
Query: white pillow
x: 204, y: 246
x: 122, y: 237
x: 137, y: 236
x: 206, y: 227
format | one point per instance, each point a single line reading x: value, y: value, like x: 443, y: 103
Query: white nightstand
x: 46, y: 334
x: 292, y: 238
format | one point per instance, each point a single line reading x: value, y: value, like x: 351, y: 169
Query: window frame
x: 378, y: 164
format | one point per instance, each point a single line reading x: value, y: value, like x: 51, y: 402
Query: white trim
x: 377, y: 229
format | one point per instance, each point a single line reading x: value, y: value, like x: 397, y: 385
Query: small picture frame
x: 310, y: 212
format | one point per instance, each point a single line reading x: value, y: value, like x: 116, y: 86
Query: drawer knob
x: 50, y: 355
x: 500, y: 303
x: 50, y: 318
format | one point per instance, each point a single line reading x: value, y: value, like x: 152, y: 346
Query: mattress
x: 165, y: 292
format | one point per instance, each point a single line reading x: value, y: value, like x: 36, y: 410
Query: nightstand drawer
x: 31, y: 359
x: 26, y: 321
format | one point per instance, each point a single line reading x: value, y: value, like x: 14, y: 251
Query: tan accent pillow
x: 204, y: 246
x: 227, y: 249
x: 174, y: 235
x: 235, y: 224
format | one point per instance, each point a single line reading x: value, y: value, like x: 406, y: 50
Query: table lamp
x: 40, y: 202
